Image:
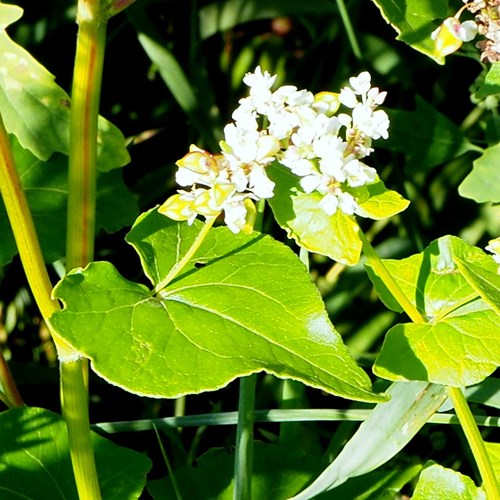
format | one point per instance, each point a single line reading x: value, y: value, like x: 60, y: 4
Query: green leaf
x: 36, y: 110
x: 381, y: 202
x: 480, y: 184
x: 494, y: 454
x: 439, y: 483
x: 382, y: 435
x: 458, y: 346
x: 413, y: 21
x: 335, y: 236
x: 244, y: 304
x: 486, y: 283
x: 426, y: 137
x: 35, y: 460
x: 278, y: 473
x: 46, y: 187
x: 491, y: 84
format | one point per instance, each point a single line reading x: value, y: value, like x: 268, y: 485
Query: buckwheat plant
x: 322, y: 139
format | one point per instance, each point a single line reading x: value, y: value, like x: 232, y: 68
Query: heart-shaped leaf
x: 380, y: 202
x: 35, y: 460
x: 243, y: 304
x: 46, y: 187
x: 36, y: 110
x: 458, y: 344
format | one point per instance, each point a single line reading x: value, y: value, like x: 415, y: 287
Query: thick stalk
x: 87, y: 77
x: 74, y: 401
x: 476, y: 442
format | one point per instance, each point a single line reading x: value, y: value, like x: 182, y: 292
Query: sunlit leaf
x: 46, y: 187
x: 480, y: 184
x: 35, y: 460
x: 458, y: 345
x: 335, y: 236
x: 243, y: 304
x: 414, y: 22
x: 382, y: 202
x: 36, y: 110
x: 440, y: 483
x: 485, y: 282
x: 426, y: 137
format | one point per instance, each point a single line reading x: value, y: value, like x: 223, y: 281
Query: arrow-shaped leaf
x: 243, y: 304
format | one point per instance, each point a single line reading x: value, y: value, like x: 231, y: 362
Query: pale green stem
x: 85, y: 95
x: 349, y: 29
x: 476, y: 442
x: 187, y: 256
x: 243, y: 463
x: 74, y: 402
x: 23, y: 228
x: 383, y: 273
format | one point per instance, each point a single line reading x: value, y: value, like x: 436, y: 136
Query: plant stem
x: 349, y: 29
x: 187, y: 256
x: 85, y: 94
x: 388, y: 280
x: 23, y: 228
x: 10, y: 394
x: 75, y: 411
x: 476, y: 442
x: 243, y: 464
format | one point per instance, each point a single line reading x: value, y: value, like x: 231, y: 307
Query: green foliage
x: 210, y: 312
x: 35, y: 460
x: 213, y: 475
x: 478, y: 184
x: 187, y: 319
x: 46, y: 186
x: 445, y: 484
x: 413, y: 20
x: 36, y: 110
x: 457, y: 345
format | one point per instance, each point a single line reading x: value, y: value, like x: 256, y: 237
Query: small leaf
x: 299, y: 214
x: 491, y: 85
x: 46, y: 187
x: 35, y: 460
x: 494, y: 454
x: 458, y: 345
x: 426, y: 137
x: 36, y: 110
x: 382, y: 202
x: 486, y: 283
x: 412, y: 19
x: 439, y: 483
x: 244, y: 304
x: 480, y: 184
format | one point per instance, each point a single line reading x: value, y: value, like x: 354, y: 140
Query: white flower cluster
x: 301, y: 131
